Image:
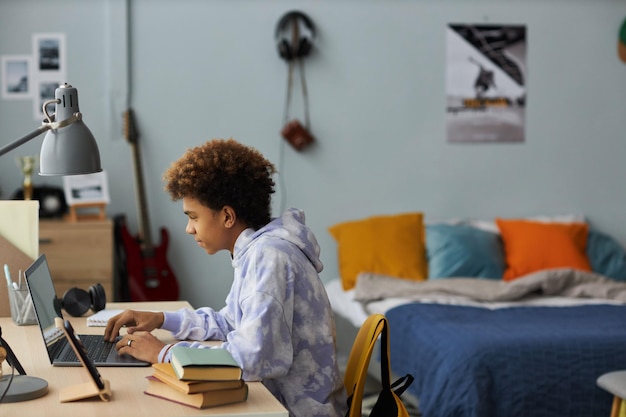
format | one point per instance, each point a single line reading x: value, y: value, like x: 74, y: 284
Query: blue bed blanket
x: 517, y: 361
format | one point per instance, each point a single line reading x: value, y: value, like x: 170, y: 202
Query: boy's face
x: 208, y: 227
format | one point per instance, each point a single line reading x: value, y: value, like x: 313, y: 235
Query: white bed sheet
x: 343, y: 303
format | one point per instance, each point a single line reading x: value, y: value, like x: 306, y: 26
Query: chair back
x: 358, y: 361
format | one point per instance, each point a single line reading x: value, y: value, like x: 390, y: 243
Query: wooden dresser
x: 80, y: 254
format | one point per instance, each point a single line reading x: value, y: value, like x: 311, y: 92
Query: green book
x: 194, y: 364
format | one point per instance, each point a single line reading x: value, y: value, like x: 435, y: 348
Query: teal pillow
x: 463, y: 251
x: 606, y: 256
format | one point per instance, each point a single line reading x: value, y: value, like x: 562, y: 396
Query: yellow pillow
x: 532, y: 246
x: 389, y: 245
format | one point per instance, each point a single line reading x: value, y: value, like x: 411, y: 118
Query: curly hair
x: 223, y: 172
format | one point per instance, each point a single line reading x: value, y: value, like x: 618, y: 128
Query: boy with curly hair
x: 277, y: 322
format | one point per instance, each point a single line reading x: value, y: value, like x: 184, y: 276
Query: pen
x: 28, y: 302
x: 7, y: 275
x: 19, y: 278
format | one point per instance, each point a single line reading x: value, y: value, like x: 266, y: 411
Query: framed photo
x: 49, y: 52
x: 86, y: 189
x: 44, y: 91
x: 16, y: 76
x: 486, y: 73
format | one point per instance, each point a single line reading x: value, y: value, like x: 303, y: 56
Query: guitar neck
x: 142, y: 206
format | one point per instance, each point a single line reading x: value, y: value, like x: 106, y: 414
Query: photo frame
x: 86, y: 189
x: 49, y: 53
x: 43, y: 91
x: 16, y: 76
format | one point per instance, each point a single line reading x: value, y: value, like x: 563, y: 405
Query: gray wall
x: 205, y: 69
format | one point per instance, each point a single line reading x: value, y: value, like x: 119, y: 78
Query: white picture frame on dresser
x: 86, y: 189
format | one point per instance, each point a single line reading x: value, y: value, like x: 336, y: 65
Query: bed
x: 493, y: 318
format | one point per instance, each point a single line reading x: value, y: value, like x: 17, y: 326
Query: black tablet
x: 80, y: 351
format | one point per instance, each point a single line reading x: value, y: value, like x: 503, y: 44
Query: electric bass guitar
x: 150, y: 278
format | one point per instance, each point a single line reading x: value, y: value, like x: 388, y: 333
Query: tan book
x: 165, y: 373
x: 206, y: 399
x: 204, y: 364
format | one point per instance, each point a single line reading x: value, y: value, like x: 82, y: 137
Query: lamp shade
x: 71, y: 149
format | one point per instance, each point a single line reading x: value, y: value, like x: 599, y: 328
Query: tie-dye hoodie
x: 277, y: 322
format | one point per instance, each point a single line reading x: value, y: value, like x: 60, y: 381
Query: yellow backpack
x: 388, y: 403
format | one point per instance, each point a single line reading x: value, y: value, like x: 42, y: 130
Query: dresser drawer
x: 80, y: 254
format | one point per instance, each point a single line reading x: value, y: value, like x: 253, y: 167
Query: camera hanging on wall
x: 295, y: 35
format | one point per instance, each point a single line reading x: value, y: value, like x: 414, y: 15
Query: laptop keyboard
x: 97, y: 349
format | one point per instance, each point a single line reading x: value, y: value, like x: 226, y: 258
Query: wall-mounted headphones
x: 288, y: 47
x: 77, y: 301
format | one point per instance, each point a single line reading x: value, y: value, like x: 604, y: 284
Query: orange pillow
x: 532, y: 246
x: 388, y: 245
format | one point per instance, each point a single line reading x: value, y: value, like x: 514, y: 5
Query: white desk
x: 127, y: 384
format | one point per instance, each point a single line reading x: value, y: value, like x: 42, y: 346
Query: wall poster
x: 485, y: 83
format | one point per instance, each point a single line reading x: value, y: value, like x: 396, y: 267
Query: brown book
x: 206, y: 399
x: 165, y: 373
x: 197, y: 364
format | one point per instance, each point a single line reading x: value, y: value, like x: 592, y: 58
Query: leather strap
x: 305, y: 95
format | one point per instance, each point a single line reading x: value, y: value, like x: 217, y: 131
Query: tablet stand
x: 85, y: 390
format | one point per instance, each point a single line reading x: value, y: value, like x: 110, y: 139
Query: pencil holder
x: 22, y: 310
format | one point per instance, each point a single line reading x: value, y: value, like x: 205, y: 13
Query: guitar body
x: 150, y: 277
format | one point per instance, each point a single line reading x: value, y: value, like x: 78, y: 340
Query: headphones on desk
x: 77, y: 301
x: 289, y: 48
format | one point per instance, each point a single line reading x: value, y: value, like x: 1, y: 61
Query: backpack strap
x: 389, y: 402
x: 401, y: 384
x: 385, y: 360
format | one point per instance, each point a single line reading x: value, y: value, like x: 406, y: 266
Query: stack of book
x: 198, y: 378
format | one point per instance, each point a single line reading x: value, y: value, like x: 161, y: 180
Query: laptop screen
x: 47, y: 307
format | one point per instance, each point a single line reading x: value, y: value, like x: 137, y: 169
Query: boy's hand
x: 141, y: 345
x: 134, y: 321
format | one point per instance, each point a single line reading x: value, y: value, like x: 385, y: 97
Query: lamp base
x: 23, y: 388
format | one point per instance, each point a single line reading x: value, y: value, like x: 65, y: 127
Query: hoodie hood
x: 291, y: 227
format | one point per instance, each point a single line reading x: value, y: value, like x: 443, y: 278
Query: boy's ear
x: 230, y: 217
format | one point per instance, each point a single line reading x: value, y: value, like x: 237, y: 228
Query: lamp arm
x: 41, y: 129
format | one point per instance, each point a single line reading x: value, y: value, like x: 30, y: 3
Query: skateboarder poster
x: 485, y: 83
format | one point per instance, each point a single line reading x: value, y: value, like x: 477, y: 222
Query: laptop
x: 48, y: 307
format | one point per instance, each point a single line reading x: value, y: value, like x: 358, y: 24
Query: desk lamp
x: 68, y: 148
